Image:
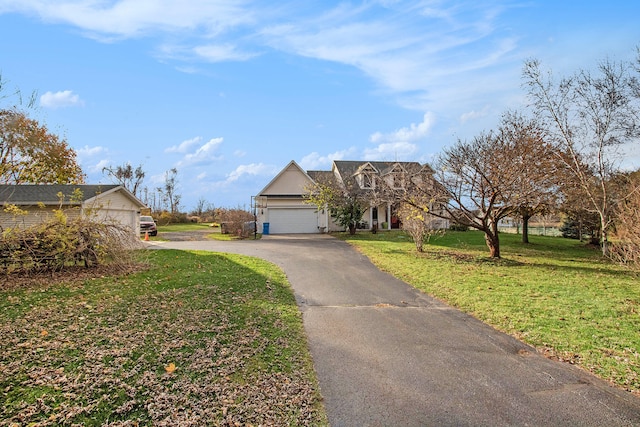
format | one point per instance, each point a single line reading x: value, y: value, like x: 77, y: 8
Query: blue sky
x: 229, y: 92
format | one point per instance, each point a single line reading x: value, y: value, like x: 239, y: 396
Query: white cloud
x: 184, y: 146
x: 413, y: 132
x: 401, y: 151
x: 399, y: 144
x: 253, y: 169
x: 473, y: 115
x: 421, y: 53
x: 131, y: 18
x: 65, y: 98
x: 220, y: 53
x: 87, y: 151
x: 98, y: 167
x: 316, y: 161
x: 204, y: 154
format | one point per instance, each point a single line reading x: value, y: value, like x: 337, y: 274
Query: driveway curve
x: 388, y: 355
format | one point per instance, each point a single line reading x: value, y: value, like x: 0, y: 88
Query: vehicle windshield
x: 146, y: 219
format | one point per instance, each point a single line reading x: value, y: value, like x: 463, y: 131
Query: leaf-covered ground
x: 197, y: 339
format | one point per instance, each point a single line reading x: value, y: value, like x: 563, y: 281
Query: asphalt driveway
x: 389, y: 355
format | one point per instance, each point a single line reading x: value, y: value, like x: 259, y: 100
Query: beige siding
x: 35, y: 215
x: 291, y: 181
x: 112, y: 207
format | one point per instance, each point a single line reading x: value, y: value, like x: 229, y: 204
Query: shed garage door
x: 294, y: 220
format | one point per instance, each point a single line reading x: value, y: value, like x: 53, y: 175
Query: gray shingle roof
x: 348, y: 168
x: 48, y: 194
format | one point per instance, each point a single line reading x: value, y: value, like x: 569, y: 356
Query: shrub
x: 458, y: 227
x: 418, y: 223
x: 62, y: 242
x: 236, y: 222
x: 166, y: 217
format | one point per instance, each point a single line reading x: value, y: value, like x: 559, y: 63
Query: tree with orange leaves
x: 30, y: 154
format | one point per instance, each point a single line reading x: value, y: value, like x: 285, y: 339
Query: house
x: 102, y: 202
x: 280, y: 206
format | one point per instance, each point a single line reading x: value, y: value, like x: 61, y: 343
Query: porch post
x: 370, y: 217
x: 388, y: 216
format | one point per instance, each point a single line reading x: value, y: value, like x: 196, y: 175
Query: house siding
x: 108, y: 204
x: 35, y: 215
x: 113, y: 207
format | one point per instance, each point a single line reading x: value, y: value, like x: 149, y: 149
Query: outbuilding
x: 38, y: 203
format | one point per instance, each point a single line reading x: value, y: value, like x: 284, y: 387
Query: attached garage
x: 292, y: 220
x: 281, y: 204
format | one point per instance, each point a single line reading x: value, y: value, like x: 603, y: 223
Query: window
x: 368, y: 181
x: 367, y: 177
x: 397, y: 180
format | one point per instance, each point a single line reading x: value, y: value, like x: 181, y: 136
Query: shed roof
x: 31, y: 194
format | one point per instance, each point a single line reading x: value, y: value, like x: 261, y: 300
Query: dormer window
x: 398, y: 180
x: 368, y: 181
x: 366, y: 177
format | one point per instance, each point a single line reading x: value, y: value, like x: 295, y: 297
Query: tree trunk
x: 352, y: 229
x: 604, y: 239
x: 525, y: 228
x: 493, y: 242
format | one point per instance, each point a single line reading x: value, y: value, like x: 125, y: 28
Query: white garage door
x: 295, y: 220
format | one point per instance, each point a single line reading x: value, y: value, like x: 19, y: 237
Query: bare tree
x: 589, y: 117
x: 201, y: 207
x: 626, y: 249
x: 169, y: 191
x: 20, y: 101
x: 478, y: 176
x: 126, y: 176
x: 537, y: 177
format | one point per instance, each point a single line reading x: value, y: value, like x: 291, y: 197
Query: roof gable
x: 291, y: 181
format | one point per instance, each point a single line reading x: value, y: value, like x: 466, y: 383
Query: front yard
x: 197, y: 339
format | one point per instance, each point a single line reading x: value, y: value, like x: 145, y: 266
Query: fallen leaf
x: 44, y: 333
x: 170, y: 368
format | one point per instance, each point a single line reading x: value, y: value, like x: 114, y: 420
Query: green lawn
x: 188, y: 226
x: 555, y: 294
x: 198, y: 339
x: 211, y: 233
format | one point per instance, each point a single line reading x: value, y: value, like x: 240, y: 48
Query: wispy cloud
x: 87, y: 151
x: 93, y: 159
x: 413, y: 49
x: 400, y: 144
x: 475, y: 114
x: 392, y: 151
x: 134, y: 18
x: 253, y: 169
x: 407, y: 134
x: 222, y: 52
x: 316, y: 161
x: 404, y: 47
x: 184, y: 146
x: 60, y: 99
